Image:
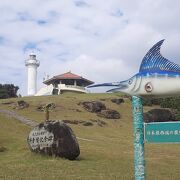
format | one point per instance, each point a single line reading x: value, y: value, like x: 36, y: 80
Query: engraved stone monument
x: 54, y: 138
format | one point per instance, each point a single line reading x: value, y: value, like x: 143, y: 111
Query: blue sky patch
x: 80, y: 3
x: 53, y: 14
x: 63, y: 56
x: 24, y: 16
x: 42, y: 22
x: 117, y: 13
x: 29, y: 46
x: 16, y: 73
x: 2, y: 40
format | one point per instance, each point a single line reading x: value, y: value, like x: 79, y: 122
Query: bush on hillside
x: 159, y: 115
x: 8, y: 91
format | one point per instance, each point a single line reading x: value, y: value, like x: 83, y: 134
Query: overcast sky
x: 100, y: 40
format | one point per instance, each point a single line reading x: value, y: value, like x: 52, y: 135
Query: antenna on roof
x: 46, y: 76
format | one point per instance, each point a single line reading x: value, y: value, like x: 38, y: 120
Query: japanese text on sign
x: 40, y: 138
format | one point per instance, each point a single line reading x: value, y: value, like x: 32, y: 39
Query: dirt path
x: 26, y: 121
x: 22, y: 119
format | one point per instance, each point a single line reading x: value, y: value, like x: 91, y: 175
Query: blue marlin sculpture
x: 157, y: 77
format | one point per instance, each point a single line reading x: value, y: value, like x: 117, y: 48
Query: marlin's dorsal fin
x: 153, y: 61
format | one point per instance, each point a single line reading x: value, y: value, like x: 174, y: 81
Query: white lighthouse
x: 32, y: 64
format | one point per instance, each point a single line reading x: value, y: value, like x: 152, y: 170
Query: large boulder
x: 93, y: 106
x: 54, y: 138
x: 109, y: 114
x: 159, y: 115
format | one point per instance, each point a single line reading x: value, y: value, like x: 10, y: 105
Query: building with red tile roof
x: 68, y: 79
x: 67, y: 82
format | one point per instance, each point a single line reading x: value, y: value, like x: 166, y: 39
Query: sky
x: 103, y: 41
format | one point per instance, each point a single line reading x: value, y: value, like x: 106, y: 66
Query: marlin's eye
x: 130, y: 81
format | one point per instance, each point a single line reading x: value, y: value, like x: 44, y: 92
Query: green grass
x: 108, y: 156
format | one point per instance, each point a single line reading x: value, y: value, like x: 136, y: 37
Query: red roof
x: 67, y: 75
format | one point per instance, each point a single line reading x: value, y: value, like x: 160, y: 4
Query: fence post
x: 139, y: 162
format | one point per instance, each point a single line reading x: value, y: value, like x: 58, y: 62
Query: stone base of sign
x: 54, y: 138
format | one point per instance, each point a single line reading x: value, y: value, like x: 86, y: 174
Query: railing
x: 28, y: 62
x: 73, y: 86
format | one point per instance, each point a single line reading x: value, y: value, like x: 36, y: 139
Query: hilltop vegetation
x: 8, y: 91
x: 106, y: 152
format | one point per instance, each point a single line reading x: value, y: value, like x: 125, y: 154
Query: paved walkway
x: 22, y: 119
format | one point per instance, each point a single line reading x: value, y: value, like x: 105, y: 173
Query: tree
x: 8, y: 91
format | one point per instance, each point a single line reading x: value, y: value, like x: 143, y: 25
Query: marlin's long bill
x: 119, y: 86
x: 105, y: 84
x: 115, y: 90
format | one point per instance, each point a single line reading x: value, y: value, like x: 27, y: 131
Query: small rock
x: 102, y: 99
x: 54, y: 138
x: 109, y: 114
x: 78, y: 110
x: 159, y: 115
x: 70, y: 121
x: 99, y: 122
x: 127, y: 96
x: 87, y: 123
x: 40, y: 108
x: 93, y: 106
x: 2, y: 149
x: 21, y: 105
x: 73, y: 121
x: 9, y: 102
x: 117, y: 101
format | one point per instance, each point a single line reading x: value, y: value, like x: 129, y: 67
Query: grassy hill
x: 109, y: 154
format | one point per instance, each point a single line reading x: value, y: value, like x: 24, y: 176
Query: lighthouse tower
x: 32, y: 64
